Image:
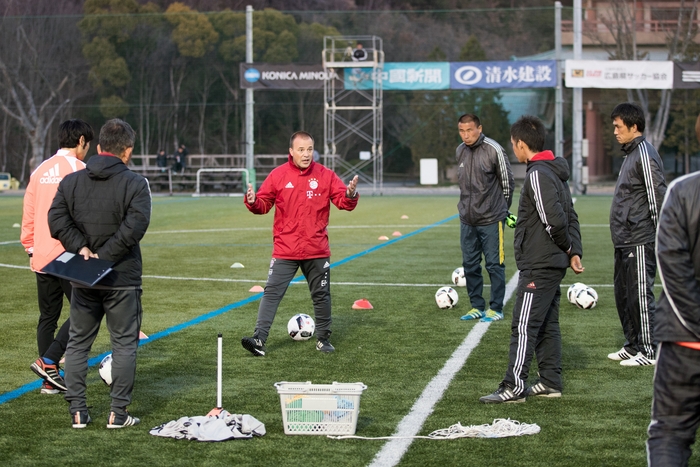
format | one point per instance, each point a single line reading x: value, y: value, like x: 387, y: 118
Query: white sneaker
x: 638, y: 360
x: 620, y: 355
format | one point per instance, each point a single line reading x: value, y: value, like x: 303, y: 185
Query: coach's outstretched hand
x: 250, y: 194
x: 352, y: 187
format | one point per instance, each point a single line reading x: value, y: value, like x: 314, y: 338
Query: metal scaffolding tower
x: 356, y: 111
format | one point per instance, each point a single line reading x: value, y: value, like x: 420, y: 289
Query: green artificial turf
x: 396, y: 349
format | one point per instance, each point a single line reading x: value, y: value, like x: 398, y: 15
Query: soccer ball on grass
x: 105, y: 370
x: 573, y: 291
x: 586, y: 298
x: 446, y: 297
x: 458, y: 277
x: 301, y: 327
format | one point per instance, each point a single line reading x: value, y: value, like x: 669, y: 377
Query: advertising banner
x: 406, y: 76
x: 686, y: 75
x: 503, y: 75
x: 619, y: 74
x: 290, y: 76
x: 402, y: 76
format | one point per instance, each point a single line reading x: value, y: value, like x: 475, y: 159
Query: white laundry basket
x: 320, y: 409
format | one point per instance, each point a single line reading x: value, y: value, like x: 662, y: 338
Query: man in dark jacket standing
x: 103, y: 212
x: 301, y: 191
x: 547, y: 242
x: 634, y: 216
x: 486, y: 193
x: 675, y: 412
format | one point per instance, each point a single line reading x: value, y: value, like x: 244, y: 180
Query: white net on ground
x: 500, y: 428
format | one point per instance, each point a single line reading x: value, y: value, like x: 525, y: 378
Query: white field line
x: 258, y: 281
x: 392, y: 452
x: 330, y: 227
x: 13, y: 266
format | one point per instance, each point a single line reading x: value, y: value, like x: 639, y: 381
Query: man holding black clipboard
x: 103, y: 212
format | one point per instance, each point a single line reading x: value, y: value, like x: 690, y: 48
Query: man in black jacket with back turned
x: 103, y: 212
x: 675, y: 410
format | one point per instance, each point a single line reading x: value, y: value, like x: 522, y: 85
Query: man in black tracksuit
x: 103, y: 212
x: 547, y: 242
x: 634, y: 216
x: 675, y: 412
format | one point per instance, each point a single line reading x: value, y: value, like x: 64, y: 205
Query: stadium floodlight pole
x: 576, y: 147
x: 249, y: 103
x: 559, y: 105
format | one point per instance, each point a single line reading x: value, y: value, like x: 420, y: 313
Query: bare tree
x: 621, y: 24
x: 33, y: 93
x: 37, y: 65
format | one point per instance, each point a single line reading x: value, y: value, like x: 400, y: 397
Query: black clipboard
x: 75, y: 268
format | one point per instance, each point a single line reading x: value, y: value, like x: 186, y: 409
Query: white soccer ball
x: 586, y: 298
x: 458, y: 277
x: 301, y: 327
x: 105, y: 370
x: 446, y: 297
x: 573, y: 291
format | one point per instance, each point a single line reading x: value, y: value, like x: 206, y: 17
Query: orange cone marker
x: 362, y: 304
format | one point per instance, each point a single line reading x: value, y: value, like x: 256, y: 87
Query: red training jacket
x: 302, y: 206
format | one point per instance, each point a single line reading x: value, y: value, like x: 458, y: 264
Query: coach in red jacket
x: 302, y: 191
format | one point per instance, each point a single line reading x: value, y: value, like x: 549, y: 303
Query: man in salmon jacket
x: 74, y: 138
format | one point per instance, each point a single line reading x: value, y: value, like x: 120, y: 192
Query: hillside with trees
x: 171, y: 70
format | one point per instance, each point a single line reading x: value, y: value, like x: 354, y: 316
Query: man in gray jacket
x: 103, y: 212
x: 486, y: 191
x: 634, y: 216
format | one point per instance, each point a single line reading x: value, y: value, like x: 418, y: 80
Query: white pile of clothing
x: 221, y: 427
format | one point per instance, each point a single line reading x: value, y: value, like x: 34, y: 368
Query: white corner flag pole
x: 219, y: 373
x: 219, y: 407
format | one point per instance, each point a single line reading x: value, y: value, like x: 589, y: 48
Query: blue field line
x: 390, y: 242
x: 20, y: 391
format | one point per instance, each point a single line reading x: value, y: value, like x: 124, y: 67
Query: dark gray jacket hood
x: 104, y: 166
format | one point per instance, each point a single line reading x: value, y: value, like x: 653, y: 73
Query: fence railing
x: 166, y: 178
x: 653, y: 26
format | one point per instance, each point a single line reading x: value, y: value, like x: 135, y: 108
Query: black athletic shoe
x: 80, y: 419
x: 542, y: 390
x: 324, y: 346
x: 48, y: 373
x: 120, y: 421
x: 254, y: 345
x: 501, y: 395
